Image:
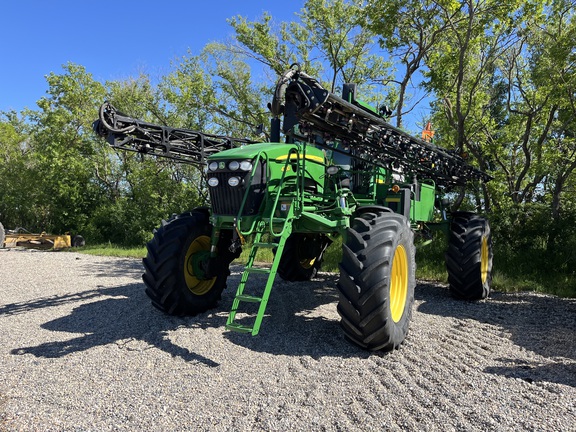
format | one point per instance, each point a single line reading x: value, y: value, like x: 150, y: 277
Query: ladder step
x: 266, y: 245
x: 257, y: 270
x: 248, y: 298
x: 239, y: 328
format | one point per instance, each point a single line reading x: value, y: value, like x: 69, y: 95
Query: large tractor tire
x: 469, y: 256
x: 302, y: 256
x: 2, y: 235
x: 176, y: 263
x: 377, y: 280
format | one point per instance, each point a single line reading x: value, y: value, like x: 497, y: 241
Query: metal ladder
x: 265, y: 225
x: 262, y: 298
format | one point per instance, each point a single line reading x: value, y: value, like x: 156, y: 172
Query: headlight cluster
x: 213, y: 167
x: 245, y: 165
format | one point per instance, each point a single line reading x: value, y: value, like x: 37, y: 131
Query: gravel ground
x: 82, y: 349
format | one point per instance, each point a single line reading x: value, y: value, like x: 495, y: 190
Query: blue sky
x: 113, y: 40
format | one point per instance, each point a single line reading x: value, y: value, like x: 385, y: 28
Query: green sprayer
x: 340, y: 170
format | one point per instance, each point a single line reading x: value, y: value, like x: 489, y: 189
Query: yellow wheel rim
x: 307, y: 263
x: 195, y: 285
x: 484, y: 260
x: 398, y: 283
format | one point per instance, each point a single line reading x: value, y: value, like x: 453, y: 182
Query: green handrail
x: 279, y: 189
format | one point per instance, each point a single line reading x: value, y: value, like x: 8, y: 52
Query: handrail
x: 279, y: 189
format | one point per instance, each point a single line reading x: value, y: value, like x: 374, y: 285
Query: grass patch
x: 528, y: 270
x: 112, y: 250
x: 332, y: 256
x: 263, y: 254
x: 430, y: 263
x: 513, y: 271
x: 558, y: 285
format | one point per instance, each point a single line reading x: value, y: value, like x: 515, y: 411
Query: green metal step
x: 249, y: 298
x: 257, y: 270
x: 265, y: 245
x: 239, y: 328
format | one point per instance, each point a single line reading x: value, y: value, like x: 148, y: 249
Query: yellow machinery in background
x: 20, y: 237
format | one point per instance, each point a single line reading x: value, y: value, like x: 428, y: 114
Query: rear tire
x: 177, y: 255
x: 469, y: 256
x: 302, y: 256
x: 377, y: 280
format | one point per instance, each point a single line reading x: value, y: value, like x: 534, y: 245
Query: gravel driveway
x: 82, y: 349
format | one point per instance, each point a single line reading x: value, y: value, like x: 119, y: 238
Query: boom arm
x: 183, y: 145
x: 321, y: 117
x: 319, y: 113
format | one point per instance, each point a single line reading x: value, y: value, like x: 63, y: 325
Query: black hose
x: 108, y: 110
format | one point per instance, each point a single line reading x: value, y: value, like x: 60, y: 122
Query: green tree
x: 16, y: 185
x: 409, y: 31
x: 461, y: 74
x: 240, y: 107
x: 140, y: 190
x: 330, y: 42
x: 190, y: 94
x: 62, y: 148
x: 551, y: 87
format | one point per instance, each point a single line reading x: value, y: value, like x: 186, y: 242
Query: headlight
x: 233, y: 166
x: 213, y: 166
x: 213, y: 181
x: 246, y: 166
x: 234, y: 181
x: 332, y: 170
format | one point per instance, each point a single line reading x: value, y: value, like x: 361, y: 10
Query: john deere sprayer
x: 339, y: 170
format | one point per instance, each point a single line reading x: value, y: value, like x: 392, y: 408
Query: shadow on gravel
x: 300, y: 320
x: 130, y: 267
x: 110, y: 315
x: 543, y: 324
x: 18, y: 308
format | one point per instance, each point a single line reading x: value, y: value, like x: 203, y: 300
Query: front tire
x: 469, y: 256
x: 377, y: 280
x: 176, y: 263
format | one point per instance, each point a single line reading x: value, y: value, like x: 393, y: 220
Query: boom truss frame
x: 323, y: 117
x: 183, y: 145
